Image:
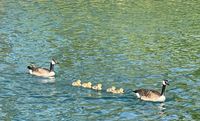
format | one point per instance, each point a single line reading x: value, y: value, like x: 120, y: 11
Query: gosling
x: 87, y: 85
x: 76, y: 83
x: 111, y: 89
x: 97, y: 87
x: 118, y: 91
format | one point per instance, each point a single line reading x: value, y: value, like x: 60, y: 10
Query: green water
x: 123, y: 43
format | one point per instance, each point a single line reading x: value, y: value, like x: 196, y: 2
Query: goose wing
x: 147, y: 93
x: 42, y: 70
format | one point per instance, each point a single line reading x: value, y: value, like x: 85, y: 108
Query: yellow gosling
x: 77, y: 83
x: 111, y: 89
x: 97, y: 87
x: 87, y: 85
x: 118, y: 91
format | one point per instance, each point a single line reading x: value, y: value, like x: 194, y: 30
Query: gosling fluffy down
x: 87, y: 85
x: 76, y: 83
x: 111, y: 89
x: 118, y: 91
x: 97, y: 87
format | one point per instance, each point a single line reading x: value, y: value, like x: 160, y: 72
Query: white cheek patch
x: 30, y: 71
x: 138, y: 95
x: 164, y: 83
x: 53, y: 62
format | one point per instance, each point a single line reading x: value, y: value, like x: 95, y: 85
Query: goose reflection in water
x: 48, y: 80
x: 161, y: 108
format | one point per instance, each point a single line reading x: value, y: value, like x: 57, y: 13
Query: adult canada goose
x: 152, y: 95
x: 37, y: 71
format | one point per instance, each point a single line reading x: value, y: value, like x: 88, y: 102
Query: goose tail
x: 31, y: 67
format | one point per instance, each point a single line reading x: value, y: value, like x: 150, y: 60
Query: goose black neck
x: 163, y: 89
x: 51, y: 67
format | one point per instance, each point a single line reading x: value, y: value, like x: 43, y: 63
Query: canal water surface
x: 123, y: 43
